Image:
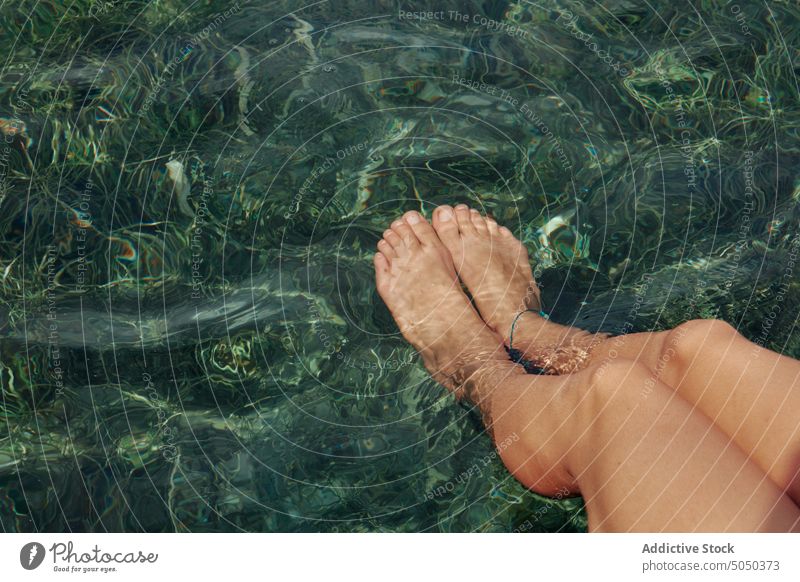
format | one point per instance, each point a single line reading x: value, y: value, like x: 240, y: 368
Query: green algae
x: 220, y: 360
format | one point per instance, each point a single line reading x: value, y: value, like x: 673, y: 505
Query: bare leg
x: 751, y: 393
x: 641, y: 463
x: 649, y: 463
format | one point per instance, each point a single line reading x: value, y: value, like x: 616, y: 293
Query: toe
x: 478, y: 221
x: 403, y: 230
x: 444, y: 222
x: 505, y: 232
x: 394, y: 240
x: 421, y: 227
x: 494, y: 228
x: 464, y: 219
x: 386, y: 249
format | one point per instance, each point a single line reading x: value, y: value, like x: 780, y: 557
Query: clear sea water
x: 191, y: 192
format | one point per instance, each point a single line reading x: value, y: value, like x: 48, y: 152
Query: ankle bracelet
x: 517, y: 355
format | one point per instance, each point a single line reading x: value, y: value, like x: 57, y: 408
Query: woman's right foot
x: 494, y: 266
x: 491, y: 262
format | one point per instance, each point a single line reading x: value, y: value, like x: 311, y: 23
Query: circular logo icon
x: 31, y: 555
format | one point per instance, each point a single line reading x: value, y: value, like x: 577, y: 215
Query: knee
x: 687, y: 339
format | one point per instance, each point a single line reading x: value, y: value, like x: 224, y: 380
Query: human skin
x: 644, y: 456
x: 752, y: 394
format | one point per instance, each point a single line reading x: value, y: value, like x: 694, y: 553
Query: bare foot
x: 494, y: 267
x: 491, y: 262
x: 416, y: 279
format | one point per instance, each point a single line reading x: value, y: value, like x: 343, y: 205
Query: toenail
x: 445, y: 215
x: 412, y: 218
x: 461, y: 207
x: 397, y: 223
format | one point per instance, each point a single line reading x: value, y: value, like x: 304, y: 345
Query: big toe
x: 444, y: 222
x: 421, y: 227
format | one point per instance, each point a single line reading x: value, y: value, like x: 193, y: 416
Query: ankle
x: 528, y: 327
x: 482, y: 383
x: 453, y: 362
x: 551, y: 347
